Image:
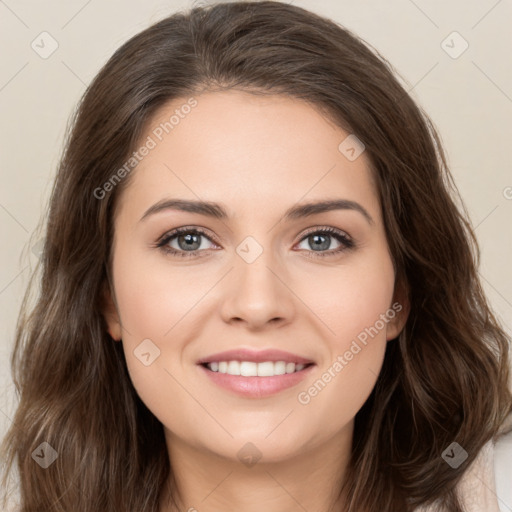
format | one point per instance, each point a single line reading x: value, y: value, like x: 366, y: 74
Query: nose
x: 257, y: 294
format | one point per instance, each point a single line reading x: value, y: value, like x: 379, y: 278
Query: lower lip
x: 257, y: 387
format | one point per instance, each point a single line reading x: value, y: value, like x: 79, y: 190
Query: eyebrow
x: 217, y: 211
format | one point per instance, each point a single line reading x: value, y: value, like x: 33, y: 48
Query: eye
x: 187, y: 239
x: 188, y: 242
x: 319, y: 239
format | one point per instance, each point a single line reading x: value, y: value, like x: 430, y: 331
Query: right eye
x: 188, y: 242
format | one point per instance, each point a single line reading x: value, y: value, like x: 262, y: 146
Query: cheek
x: 350, y: 300
x: 356, y: 305
x: 154, y: 296
x: 158, y: 305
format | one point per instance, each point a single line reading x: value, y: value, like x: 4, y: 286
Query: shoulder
x: 486, y: 485
x: 477, y: 489
x: 503, y: 470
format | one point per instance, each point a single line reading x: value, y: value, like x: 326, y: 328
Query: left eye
x: 318, y: 237
x: 189, y: 242
x: 321, y: 240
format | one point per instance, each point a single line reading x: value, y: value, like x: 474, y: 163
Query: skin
x: 258, y: 156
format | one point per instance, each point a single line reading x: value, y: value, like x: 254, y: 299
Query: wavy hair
x: 444, y: 378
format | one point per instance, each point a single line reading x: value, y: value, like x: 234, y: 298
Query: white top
x: 478, y: 486
x: 487, y: 485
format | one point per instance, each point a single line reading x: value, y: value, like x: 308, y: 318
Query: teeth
x: 251, y: 369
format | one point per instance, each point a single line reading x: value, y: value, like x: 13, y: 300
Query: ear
x: 110, y: 313
x: 401, y: 307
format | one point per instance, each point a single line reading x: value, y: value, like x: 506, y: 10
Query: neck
x: 310, y: 480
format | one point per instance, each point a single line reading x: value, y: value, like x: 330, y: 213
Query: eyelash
x: 341, y: 237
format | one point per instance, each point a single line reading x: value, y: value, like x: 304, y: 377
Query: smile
x: 252, y: 369
x: 239, y: 377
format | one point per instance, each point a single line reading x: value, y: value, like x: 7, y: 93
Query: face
x: 317, y: 285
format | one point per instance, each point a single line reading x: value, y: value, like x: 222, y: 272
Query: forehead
x: 251, y: 152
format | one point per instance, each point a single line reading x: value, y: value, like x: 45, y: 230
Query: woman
x: 258, y: 290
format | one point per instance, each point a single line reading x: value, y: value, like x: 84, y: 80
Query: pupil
x: 324, y: 245
x: 190, y: 240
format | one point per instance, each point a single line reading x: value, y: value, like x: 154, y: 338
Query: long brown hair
x: 444, y: 379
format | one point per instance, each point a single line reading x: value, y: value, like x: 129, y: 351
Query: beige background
x: 468, y: 96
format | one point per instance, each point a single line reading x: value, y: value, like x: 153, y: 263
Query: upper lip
x: 256, y: 356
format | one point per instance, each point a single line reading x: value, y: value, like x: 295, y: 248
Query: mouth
x: 254, y: 369
x: 255, y: 374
